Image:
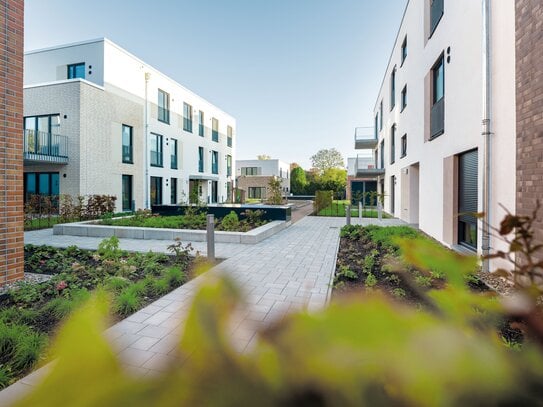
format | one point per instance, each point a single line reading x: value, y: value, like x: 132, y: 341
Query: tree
x: 263, y: 157
x: 334, y: 179
x: 275, y: 192
x: 326, y: 159
x: 298, y: 181
x: 293, y: 165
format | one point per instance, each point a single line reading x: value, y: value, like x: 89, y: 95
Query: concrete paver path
x: 291, y: 270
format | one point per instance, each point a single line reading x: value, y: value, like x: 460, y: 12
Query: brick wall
x: 529, y: 72
x: 11, y: 140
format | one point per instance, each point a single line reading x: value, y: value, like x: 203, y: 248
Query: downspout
x: 487, y: 130
x: 146, y: 147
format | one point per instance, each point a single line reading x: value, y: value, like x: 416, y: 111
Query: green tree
x: 333, y: 179
x: 275, y: 193
x: 326, y: 159
x: 298, y: 181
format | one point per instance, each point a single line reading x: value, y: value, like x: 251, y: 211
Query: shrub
x: 129, y: 300
x: 371, y: 280
x: 109, y: 248
x: 175, y: 276
x: 323, y: 199
x: 230, y: 222
x: 116, y: 283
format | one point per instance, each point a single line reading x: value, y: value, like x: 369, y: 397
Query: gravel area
x: 29, y: 278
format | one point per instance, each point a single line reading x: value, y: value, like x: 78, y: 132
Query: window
x: 381, y: 116
x: 127, y: 145
x: 76, y: 71
x: 437, y: 114
x: 376, y: 125
x: 201, y: 127
x: 215, y: 162
x: 467, y: 199
x: 41, y: 183
x: 163, y: 106
x: 156, y: 191
x: 156, y: 150
x: 200, y: 159
x: 404, y: 146
x: 404, y: 49
x: 404, y: 97
x: 127, y: 193
x: 228, y: 165
x: 173, y: 191
x: 41, y: 135
x: 436, y: 12
x: 393, y: 89
x: 257, y: 192
x: 215, y: 130
x: 382, y: 151
x: 187, y: 117
x: 229, y: 136
x: 173, y: 159
x: 392, y: 194
x: 214, y: 191
x: 249, y: 171
x: 393, y: 144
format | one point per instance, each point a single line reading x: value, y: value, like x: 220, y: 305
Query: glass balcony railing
x: 365, y: 167
x: 45, y: 147
x: 364, y: 138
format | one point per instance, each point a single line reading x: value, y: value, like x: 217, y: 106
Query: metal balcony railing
x: 45, y: 147
x: 365, y: 167
x: 364, y: 138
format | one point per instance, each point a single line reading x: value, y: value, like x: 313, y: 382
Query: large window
x: 156, y: 150
x: 250, y: 171
x: 215, y: 162
x: 257, y: 192
x: 76, y: 71
x: 200, y: 159
x: 228, y: 165
x: 437, y: 114
x: 187, y: 117
x: 381, y: 116
x: 214, y: 191
x: 127, y: 152
x: 127, y: 193
x: 393, y: 89
x: 215, y: 130
x: 376, y: 126
x: 404, y: 146
x: 229, y: 136
x: 156, y: 191
x: 436, y: 12
x: 393, y: 144
x: 467, y: 199
x: 382, y: 153
x: 173, y: 191
x: 41, y: 183
x: 404, y: 49
x: 174, y: 155
x: 163, y: 106
x: 404, y: 98
x: 201, y: 128
x: 41, y: 135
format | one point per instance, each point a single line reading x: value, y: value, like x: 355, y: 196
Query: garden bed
x: 30, y: 312
x: 337, y: 209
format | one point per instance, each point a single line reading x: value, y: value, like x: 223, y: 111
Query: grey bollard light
x: 380, y: 210
x: 348, y: 213
x: 359, y: 209
x: 210, y: 235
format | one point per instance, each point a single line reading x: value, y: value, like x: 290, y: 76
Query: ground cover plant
x: 192, y: 219
x: 31, y: 312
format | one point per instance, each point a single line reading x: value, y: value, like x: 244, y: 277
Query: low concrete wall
x: 87, y: 229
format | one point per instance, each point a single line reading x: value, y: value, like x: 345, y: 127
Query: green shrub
x: 28, y: 350
x: 116, y: 283
x: 128, y: 301
x: 5, y: 377
x: 399, y: 293
x: 423, y: 281
x: 158, y: 286
x: 230, y: 222
x: 346, y: 272
x: 323, y: 199
x: 175, y: 276
x: 109, y: 248
x: 371, y: 280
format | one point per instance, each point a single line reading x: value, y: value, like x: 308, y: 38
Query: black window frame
x: 214, y: 131
x: 228, y: 165
x: 393, y: 89
x: 214, y: 162
x: 72, y: 68
x: 437, y: 109
x: 174, y: 154
x: 159, y: 150
x: 163, y: 111
x: 187, y: 117
x: 381, y: 116
x: 155, y: 182
x: 382, y: 155
x: 403, y: 146
x: 201, y: 123
x: 201, y: 159
x: 130, y: 194
x: 404, y: 50
x: 173, y: 191
x: 403, y: 99
x: 229, y: 136
x: 393, y: 144
x: 127, y: 156
x: 252, y: 195
x: 436, y: 7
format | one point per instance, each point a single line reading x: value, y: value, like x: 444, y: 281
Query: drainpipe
x: 146, y: 138
x: 487, y: 129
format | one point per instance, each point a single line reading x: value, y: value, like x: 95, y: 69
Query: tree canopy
x: 326, y: 159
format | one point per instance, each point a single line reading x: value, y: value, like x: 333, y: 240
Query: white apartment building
x: 253, y: 176
x: 436, y: 105
x: 98, y: 120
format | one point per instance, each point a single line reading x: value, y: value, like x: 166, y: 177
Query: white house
x: 253, y: 176
x: 98, y: 120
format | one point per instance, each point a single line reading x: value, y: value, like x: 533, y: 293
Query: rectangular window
x: 404, y: 146
x: 381, y: 116
x: 436, y: 12
x: 214, y: 191
x: 393, y: 144
x: 127, y: 193
x: 215, y: 130
x: 200, y: 159
x: 437, y: 114
x: 127, y: 145
x: 404, y: 49
x: 41, y: 136
x: 201, y: 128
x: 228, y: 165
x: 156, y: 150
x: 215, y: 162
x: 393, y: 89
x: 376, y: 126
x: 173, y: 191
x: 229, y: 136
x: 392, y: 194
x: 156, y: 191
x: 187, y: 117
x: 382, y: 154
x: 249, y: 170
x: 468, y: 199
x: 404, y: 97
x: 173, y: 158
x: 42, y: 183
x: 76, y: 71
x: 163, y: 106
x: 257, y: 192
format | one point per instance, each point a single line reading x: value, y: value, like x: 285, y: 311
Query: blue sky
x: 298, y: 75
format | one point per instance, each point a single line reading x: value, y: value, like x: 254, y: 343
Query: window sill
x: 128, y: 162
x: 164, y: 121
x: 403, y: 108
x: 403, y: 156
x: 436, y: 135
x: 156, y: 166
x: 174, y: 168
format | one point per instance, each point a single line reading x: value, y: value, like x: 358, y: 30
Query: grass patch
x: 337, y: 209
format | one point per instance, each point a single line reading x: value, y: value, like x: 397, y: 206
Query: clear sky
x: 298, y: 75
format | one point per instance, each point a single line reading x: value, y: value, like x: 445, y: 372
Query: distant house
x: 253, y: 177
x: 359, y: 187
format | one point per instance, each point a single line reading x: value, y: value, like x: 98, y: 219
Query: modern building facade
x: 98, y: 120
x: 443, y: 143
x: 360, y: 188
x: 253, y: 177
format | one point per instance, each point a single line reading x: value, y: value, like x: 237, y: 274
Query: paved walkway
x: 291, y: 270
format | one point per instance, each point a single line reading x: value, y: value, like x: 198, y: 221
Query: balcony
x: 364, y: 139
x: 365, y: 168
x: 41, y: 148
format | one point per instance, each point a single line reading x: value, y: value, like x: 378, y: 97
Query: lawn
x: 41, y: 223
x: 337, y: 209
x: 30, y: 312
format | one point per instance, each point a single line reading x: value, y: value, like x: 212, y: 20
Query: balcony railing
x: 364, y: 138
x: 41, y: 147
x: 156, y: 158
x: 365, y: 167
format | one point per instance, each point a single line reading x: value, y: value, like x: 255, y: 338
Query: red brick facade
x: 529, y: 71
x: 11, y: 140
